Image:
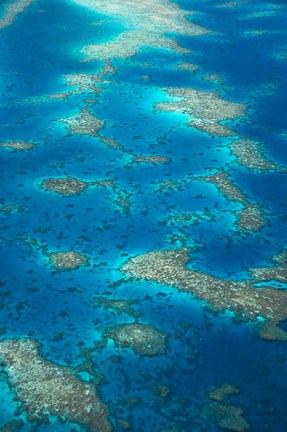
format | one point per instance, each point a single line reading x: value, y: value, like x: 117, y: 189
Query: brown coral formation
x: 220, y: 393
x: 84, y: 123
x: 187, y: 67
x: 277, y: 272
x: 12, y: 208
x: 143, y: 339
x: 17, y: 145
x: 63, y: 260
x: 12, y: 10
x: 46, y: 388
x: 206, y: 109
x: 250, y: 155
x: 225, y: 415
x: 147, y: 23
x: 251, y: 217
x: 230, y: 418
x: 67, y: 260
x: 246, y: 301
x: 68, y: 186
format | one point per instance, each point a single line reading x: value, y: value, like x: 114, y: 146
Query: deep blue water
x: 36, y: 52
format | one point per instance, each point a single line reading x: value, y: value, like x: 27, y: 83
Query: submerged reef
x: 12, y: 208
x: 143, y: 339
x: 230, y: 418
x: 17, y: 145
x: 246, y: 301
x: 220, y: 393
x: 119, y: 305
x: 48, y: 389
x: 249, y: 154
x: 187, y: 218
x: 224, y: 414
x: 206, y: 109
x: 147, y: 23
x: 68, y: 186
x: 251, y: 217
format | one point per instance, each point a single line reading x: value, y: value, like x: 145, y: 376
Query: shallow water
x: 205, y: 349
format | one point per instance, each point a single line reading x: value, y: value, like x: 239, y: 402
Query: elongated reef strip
x: 249, y: 154
x: 17, y: 145
x: 68, y: 186
x: 251, y: 217
x: 46, y: 388
x: 151, y: 159
x: 247, y: 302
x: 12, y: 10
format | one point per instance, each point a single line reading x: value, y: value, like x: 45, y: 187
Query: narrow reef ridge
x: 246, y: 301
x: 48, y: 389
x: 143, y: 339
x: 251, y: 217
x: 151, y: 159
x: 249, y: 154
x: 17, y: 145
x: 206, y: 109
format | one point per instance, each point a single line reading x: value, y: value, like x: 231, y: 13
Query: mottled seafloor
x: 143, y: 208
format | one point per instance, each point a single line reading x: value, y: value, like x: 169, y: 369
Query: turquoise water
x: 205, y: 349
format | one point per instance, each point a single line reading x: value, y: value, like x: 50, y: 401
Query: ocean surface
x: 246, y: 52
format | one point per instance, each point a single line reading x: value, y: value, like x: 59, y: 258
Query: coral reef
x: 230, y: 417
x: 251, y: 217
x: 12, y: 208
x: 143, y: 339
x: 68, y: 186
x: 147, y: 23
x: 224, y: 414
x: 246, y: 301
x: 46, y: 388
x: 12, y: 10
x: 151, y: 159
x: 84, y: 123
x: 17, y: 145
x: 220, y: 393
x: 67, y: 260
x: 119, y: 305
x: 249, y: 154
x: 277, y: 272
x: 206, y: 109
